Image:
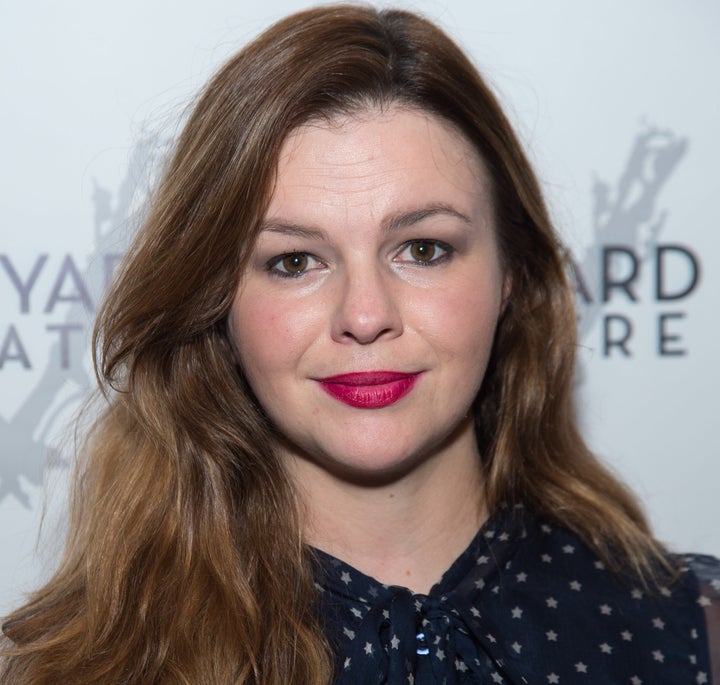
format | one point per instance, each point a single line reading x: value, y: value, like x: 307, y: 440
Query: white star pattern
x: 521, y: 595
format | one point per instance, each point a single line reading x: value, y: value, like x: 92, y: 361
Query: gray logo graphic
x: 627, y: 216
x: 66, y: 378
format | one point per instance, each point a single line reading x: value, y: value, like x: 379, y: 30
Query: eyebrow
x: 404, y: 219
x: 389, y: 224
x: 292, y: 230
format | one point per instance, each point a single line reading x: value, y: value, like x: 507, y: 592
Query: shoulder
x: 668, y: 631
x: 706, y: 571
x: 706, y: 568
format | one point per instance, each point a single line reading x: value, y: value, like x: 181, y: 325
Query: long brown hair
x: 185, y: 561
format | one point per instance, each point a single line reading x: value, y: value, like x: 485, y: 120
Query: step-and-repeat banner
x: 618, y: 106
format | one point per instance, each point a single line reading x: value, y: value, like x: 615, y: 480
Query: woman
x: 341, y: 345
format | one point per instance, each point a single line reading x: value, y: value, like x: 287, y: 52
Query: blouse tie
x: 412, y: 639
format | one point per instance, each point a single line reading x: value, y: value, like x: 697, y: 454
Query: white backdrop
x: 617, y: 103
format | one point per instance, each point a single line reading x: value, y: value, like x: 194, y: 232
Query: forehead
x: 373, y: 151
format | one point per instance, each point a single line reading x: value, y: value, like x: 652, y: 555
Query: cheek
x: 269, y: 334
x: 463, y: 319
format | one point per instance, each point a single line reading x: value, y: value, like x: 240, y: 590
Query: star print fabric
x: 526, y: 603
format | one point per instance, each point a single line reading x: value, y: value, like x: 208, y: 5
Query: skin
x: 378, y: 252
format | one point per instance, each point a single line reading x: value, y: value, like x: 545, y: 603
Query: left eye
x: 424, y: 252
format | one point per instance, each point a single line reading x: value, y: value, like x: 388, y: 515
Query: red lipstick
x: 369, y: 390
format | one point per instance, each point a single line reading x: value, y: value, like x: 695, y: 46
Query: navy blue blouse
x: 527, y: 602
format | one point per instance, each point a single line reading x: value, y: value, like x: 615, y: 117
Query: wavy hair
x: 185, y: 561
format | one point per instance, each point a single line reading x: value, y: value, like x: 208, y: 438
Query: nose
x: 367, y: 307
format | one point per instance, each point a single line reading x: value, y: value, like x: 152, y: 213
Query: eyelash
x: 272, y: 266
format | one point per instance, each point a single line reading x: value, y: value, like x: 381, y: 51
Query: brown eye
x: 423, y: 251
x: 294, y: 263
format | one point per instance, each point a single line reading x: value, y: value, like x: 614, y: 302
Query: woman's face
x: 366, y: 315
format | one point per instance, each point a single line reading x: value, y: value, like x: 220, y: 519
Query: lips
x: 371, y: 389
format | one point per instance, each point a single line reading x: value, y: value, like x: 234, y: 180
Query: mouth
x: 371, y: 389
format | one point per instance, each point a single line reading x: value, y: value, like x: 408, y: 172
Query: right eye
x: 293, y: 264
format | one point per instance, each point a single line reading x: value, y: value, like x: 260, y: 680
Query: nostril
x: 365, y: 339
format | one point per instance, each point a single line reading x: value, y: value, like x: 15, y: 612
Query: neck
x: 406, y: 532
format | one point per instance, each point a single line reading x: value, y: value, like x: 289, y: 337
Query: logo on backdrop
x: 67, y: 308
x: 626, y: 265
